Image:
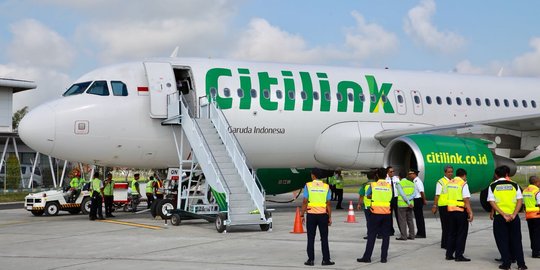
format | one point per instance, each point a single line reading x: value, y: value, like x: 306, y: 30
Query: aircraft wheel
x: 175, y: 219
x: 85, y: 205
x: 220, y: 222
x: 52, y: 209
x: 483, y: 200
x: 163, y: 207
x: 37, y: 213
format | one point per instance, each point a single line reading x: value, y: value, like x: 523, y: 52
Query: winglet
x: 175, y: 52
x: 500, y: 72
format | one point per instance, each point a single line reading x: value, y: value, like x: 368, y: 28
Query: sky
x: 54, y: 42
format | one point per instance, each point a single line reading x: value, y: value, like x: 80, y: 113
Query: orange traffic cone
x: 298, y: 227
x: 350, y: 217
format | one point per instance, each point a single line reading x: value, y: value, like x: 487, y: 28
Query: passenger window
x: 350, y: 96
x: 497, y: 103
x: 516, y: 104
x: 416, y: 100
x: 448, y: 101
x: 384, y: 98
x: 119, y: 88
x: 428, y: 100
x: 240, y: 92
x: 266, y: 93
x: 339, y: 96
x: 478, y: 102
x: 400, y: 99
x: 253, y: 93
x: 506, y: 103
x: 291, y: 95
x: 226, y: 92
x: 533, y: 103
x: 303, y: 95
x: 488, y: 102
x: 362, y: 97
x: 316, y: 95
x: 99, y: 88
x: 439, y: 100
x: 458, y: 101
x: 524, y: 103
x: 76, y: 89
x: 468, y: 101
x: 213, y: 92
x: 373, y: 99
x: 327, y: 96
x: 279, y: 94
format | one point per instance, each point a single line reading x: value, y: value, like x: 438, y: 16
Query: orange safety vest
x: 381, y: 195
x: 529, y: 199
x: 455, y: 195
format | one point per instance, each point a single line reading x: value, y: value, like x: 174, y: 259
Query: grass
x: 12, y: 196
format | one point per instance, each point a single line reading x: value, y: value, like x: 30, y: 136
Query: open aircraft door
x: 161, y: 82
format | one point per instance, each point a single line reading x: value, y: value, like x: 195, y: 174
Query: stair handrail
x: 238, y: 156
x: 212, y: 162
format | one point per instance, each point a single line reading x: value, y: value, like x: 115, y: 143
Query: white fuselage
x: 118, y: 130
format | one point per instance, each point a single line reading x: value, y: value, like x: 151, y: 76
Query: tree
x: 18, y: 116
x: 13, y: 172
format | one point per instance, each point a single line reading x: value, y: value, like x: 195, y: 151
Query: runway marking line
x: 131, y: 224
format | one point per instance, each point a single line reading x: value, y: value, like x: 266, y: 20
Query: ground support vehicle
x: 51, y: 202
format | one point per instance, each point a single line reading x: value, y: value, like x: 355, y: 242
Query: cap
x: 413, y: 171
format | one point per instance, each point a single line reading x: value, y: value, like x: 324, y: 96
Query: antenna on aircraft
x: 175, y: 52
x: 500, y: 73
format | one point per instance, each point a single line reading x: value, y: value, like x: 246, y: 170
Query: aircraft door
x: 401, y: 104
x: 161, y: 82
x: 417, y: 102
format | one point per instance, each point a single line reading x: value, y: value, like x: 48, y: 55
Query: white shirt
x: 491, y: 197
x: 465, y: 192
x: 393, y: 182
x: 419, y: 184
x: 438, y: 187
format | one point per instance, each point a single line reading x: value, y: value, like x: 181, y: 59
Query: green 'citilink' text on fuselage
x: 378, y: 97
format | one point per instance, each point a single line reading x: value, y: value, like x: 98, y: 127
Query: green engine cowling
x: 431, y: 153
x: 277, y: 181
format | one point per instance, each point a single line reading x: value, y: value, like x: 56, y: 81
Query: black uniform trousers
x: 312, y: 222
x: 394, y: 208
x: 108, y: 200
x: 419, y: 217
x: 508, y: 239
x: 96, y: 205
x: 378, y: 225
x: 534, y: 234
x: 339, y: 196
x: 443, y: 214
x: 458, y: 227
x: 367, y: 213
x: 149, y: 199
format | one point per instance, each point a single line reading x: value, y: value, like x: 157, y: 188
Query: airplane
x: 290, y: 119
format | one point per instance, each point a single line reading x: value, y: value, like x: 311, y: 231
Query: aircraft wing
x: 519, y: 123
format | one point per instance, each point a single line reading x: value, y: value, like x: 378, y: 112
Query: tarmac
x: 137, y: 241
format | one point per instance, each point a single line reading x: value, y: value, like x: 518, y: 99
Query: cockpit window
x: 76, y: 89
x: 119, y: 88
x: 99, y: 88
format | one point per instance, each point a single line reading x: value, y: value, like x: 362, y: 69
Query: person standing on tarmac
x: 459, y: 214
x: 319, y: 214
x: 531, y: 199
x: 108, y: 195
x: 393, y: 180
x: 364, y: 203
x: 135, y: 192
x: 440, y: 203
x: 407, y: 191
x: 506, y: 199
x: 338, y: 181
x: 419, y: 202
x: 380, y: 220
x: 97, y: 197
x: 150, y: 186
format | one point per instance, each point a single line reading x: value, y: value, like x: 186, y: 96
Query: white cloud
x: 528, y: 64
x: 370, y: 40
x: 466, y: 67
x: 36, y: 45
x: 419, y: 26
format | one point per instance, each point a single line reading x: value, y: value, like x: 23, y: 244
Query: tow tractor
x: 51, y: 202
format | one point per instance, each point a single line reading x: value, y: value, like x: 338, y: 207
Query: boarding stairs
x: 217, y: 153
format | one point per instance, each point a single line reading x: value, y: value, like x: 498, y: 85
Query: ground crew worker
x: 459, y: 212
x: 150, y: 191
x: 158, y: 188
x: 531, y: 199
x: 364, y: 203
x: 393, y: 180
x: 380, y: 220
x: 319, y: 214
x: 506, y: 198
x: 97, y: 197
x: 440, y: 203
x: 75, y: 186
x: 407, y: 191
x: 108, y: 195
x: 332, y: 184
x: 135, y: 192
x: 338, y: 181
x: 419, y: 202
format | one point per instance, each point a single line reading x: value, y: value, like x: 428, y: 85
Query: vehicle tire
x: 85, y: 205
x: 74, y: 211
x: 153, y: 207
x: 52, y: 208
x: 163, y: 206
x: 175, y: 219
x: 220, y: 222
x: 266, y: 227
x: 483, y: 200
x: 37, y: 213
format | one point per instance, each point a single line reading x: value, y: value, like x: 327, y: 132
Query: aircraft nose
x: 37, y: 129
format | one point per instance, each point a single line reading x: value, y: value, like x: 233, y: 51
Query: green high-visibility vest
x: 75, y: 182
x: 367, y: 201
x: 443, y: 197
x: 149, y: 186
x: 134, y: 188
x: 108, y: 190
x: 408, y: 188
x: 338, y: 181
x: 96, y: 185
x: 505, y: 195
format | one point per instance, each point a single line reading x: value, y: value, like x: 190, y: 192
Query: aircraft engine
x: 431, y: 153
